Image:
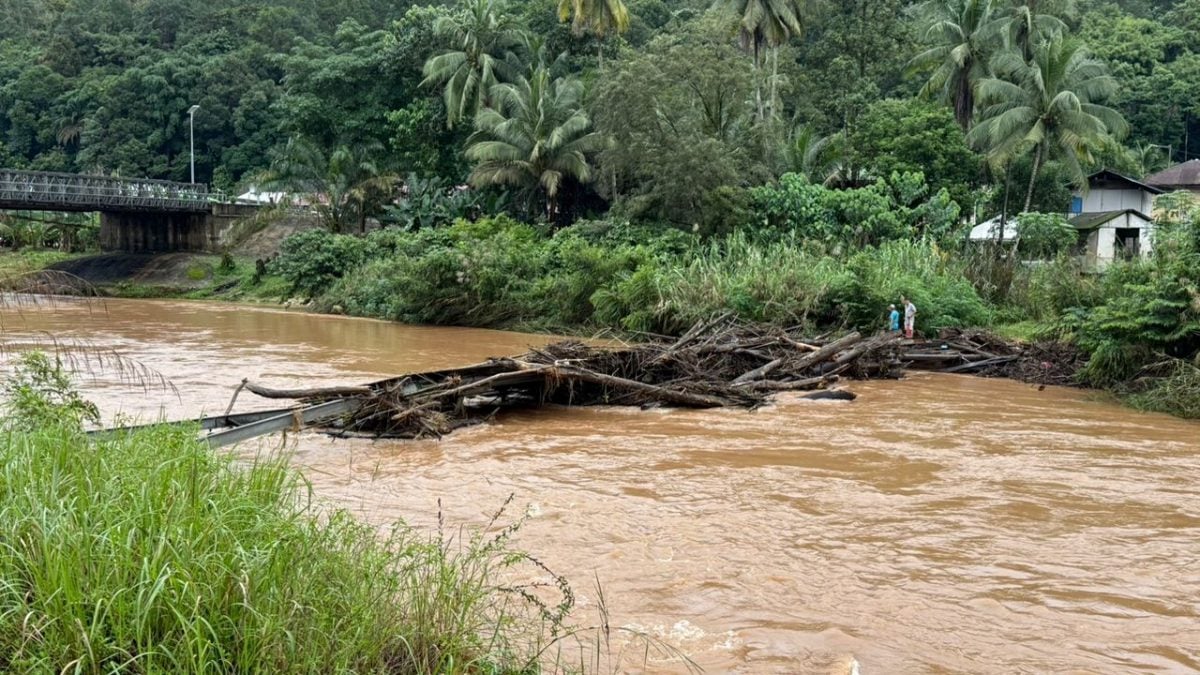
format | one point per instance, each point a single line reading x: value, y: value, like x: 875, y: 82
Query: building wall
x: 1098, y: 200
x: 1101, y: 248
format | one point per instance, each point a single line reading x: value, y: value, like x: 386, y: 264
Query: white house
x: 1113, y: 218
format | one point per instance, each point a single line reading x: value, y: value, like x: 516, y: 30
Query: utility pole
x: 192, y: 134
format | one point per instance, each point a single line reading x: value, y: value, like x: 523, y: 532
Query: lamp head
x: 192, y: 110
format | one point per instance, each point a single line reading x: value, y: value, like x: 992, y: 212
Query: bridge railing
x: 41, y: 189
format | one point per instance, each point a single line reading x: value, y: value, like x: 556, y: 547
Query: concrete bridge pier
x: 148, y: 232
x: 137, y: 215
x: 156, y: 232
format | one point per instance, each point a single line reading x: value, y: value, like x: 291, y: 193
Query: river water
x: 939, y: 524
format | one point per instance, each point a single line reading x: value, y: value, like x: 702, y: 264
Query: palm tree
x: 534, y: 137
x: 479, y: 36
x: 1030, y: 21
x: 811, y: 155
x: 961, y: 35
x: 344, y: 185
x: 1051, y: 105
x: 598, y: 17
x: 70, y: 130
x: 767, y: 24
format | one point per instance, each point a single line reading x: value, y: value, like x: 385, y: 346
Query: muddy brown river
x: 940, y: 524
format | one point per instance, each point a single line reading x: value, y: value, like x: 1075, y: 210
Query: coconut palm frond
x: 1053, y: 105
x: 479, y: 38
x: 962, y: 40
x: 534, y: 136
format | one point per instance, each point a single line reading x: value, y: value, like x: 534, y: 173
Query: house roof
x: 1185, y: 175
x: 988, y: 229
x: 1090, y: 221
x: 1113, y: 176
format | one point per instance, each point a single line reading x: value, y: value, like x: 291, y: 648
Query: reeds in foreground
x: 150, y: 553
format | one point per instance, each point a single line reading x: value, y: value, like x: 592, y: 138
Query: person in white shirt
x: 910, y: 316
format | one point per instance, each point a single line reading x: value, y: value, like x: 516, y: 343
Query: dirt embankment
x: 168, y: 273
x: 250, y: 239
x: 163, y: 270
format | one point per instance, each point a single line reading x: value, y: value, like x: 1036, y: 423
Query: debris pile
x: 979, y: 352
x: 720, y: 362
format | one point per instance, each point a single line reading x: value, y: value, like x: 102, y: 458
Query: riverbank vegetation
x: 635, y: 166
x: 150, y: 553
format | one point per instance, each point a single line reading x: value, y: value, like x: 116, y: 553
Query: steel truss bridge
x: 45, y: 191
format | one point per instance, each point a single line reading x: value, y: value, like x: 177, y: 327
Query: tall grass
x: 1177, y: 393
x: 778, y: 282
x: 931, y: 277
x: 500, y: 273
x: 150, y: 553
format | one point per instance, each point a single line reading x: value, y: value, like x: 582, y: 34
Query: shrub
x: 1044, y: 290
x: 577, y: 270
x: 1178, y: 393
x: 723, y: 210
x: 312, y: 260
x: 475, y: 274
x: 1159, y: 310
x: 1044, y: 235
x: 40, y: 390
x: 919, y: 270
x: 838, y: 219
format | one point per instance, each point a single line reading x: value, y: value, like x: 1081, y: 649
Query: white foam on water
x: 685, y: 631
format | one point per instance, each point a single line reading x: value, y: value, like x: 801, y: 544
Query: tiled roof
x: 1178, y: 176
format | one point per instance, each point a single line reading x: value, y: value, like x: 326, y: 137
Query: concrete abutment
x: 159, y: 232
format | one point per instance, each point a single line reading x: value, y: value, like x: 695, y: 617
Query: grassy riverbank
x: 1139, y: 322
x: 151, y: 553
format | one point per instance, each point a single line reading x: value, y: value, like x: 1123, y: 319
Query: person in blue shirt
x: 894, y: 319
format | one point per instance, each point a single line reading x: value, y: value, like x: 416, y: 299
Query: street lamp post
x: 192, y: 134
x: 1169, y: 148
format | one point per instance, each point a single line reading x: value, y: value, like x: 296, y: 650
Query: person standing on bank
x: 894, y: 319
x: 910, y: 316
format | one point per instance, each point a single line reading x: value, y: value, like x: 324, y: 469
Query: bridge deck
x: 45, y: 191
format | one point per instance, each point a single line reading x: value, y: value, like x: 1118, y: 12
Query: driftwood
x: 718, y: 362
x: 758, y: 373
x: 828, y: 350
x: 797, y: 385
x: 308, y: 394
x: 661, y: 394
x: 980, y: 365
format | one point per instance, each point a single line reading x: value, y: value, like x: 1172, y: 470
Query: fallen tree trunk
x: 862, y: 348
x: 979, y: 365
x: 798, y: 385
x: 315, y: 393
x: 828, y: 350
x: 757, y: 374
x: 661, y: 393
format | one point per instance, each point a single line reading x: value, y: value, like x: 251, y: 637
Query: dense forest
x: 668, y: 107
x: 581, y: 164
